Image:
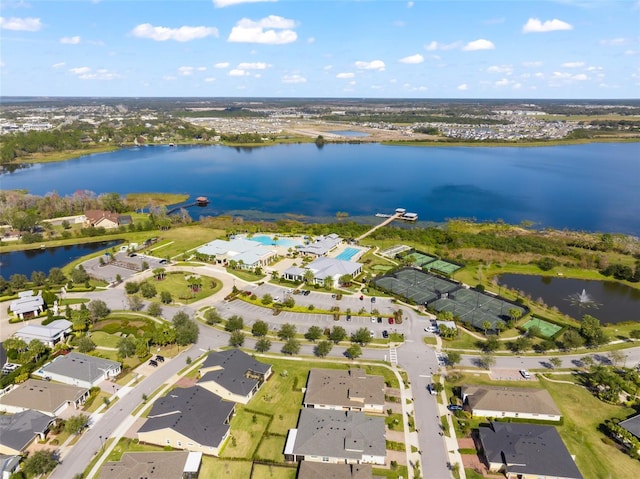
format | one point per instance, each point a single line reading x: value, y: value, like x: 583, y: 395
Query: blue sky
x: 322, y: 48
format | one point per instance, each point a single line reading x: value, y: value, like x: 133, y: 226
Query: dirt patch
x: 466, y: 443
x: 186, y: 382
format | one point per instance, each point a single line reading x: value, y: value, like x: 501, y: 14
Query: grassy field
x: 582, y: 415
x: 177, y: 285
x: 246, y: 430
x: 100, y: 338
x: 213, y: 467
x: 261, y: 471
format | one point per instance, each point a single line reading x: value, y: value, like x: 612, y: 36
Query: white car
x: 276, y: 299
x: 525, y: 374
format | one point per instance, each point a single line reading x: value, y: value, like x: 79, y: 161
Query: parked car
x: 348, y: 317
x: 525, y: 374
x: 432, y: 389
x: 276, y: 299
x: 159, y: 358
x: 153, y: 363
x: 307, y: 292
x: 454, y: 407
x: 373, y: 333
x: 385, y: 334
x: 361, y: 297
x: 379, y: 319
x: 373, y: 319
x: 390, y: 320
x: 163, y: 261
x: 373, y: 299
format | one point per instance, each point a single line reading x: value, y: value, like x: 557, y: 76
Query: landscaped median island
x: 254, y: 411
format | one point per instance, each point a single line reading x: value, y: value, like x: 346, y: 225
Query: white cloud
x: 2, y: 64
x: 186, y: 71
x: 413, y: 59
x: 534, y: 25
x: 28, y: 24
x: 253, y: 66
x: 463, y: 87
x: 210, y: 79
x: 532, y: 64
x: 573, y: 64
x: 272, y: 30
x: 80, y: 70
x: 311, y: 40
x: 480, y: 44
x: 566, y: 77
x: 613, y: 42
x: 237, y: 73
x: 70, y: 40
x: 294, y: 79
x: 410, y: 4
x: 594, y: 69
x: 630, y: 52
x: 58, y: 65
x: 441, y: 46
x: 503, y: 69
x: 228, y: 3
x: 580, y: 77
x: 86, y: 73
x: 181, y: 34
x: 345, y: 75
x: 372, y: 65
x: 169, y: 77
x: 222, y: 65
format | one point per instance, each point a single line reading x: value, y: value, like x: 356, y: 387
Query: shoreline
x: 75, y: 154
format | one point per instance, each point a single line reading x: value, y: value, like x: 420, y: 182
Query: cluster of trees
x: 20, y: 144
x: 610, y: 382
x: 623, y: 272
x: 631, y: 443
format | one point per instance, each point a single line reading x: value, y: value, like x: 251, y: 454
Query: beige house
x: 192, y: 419
x: 153, y: 465
x: 233, y: 375
x: 44, y: 396
x: 350, y: 390
x: 498, y: 402
x: 19, y: 430
x: 101, y: 219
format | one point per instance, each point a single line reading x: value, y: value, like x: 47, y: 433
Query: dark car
x: 159, y: 358
x: 454, y: 407
x: 385, y: 334
x: 307, y: 292
x: 361, y: 297
x: 153, y: 363
x: 373, y: 299
x: 163, y: 261
x: 348, y: 317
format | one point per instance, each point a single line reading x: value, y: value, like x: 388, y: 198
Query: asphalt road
x: 414, y: 356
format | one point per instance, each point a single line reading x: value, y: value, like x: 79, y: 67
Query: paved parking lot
x: 108, y: 272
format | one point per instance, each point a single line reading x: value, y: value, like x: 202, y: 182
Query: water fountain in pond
x: 582, y: 301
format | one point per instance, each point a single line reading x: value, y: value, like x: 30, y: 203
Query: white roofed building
x: 27, y: 305
x: 323, y: 268
x: 246, y: 253
x: 49, y: 334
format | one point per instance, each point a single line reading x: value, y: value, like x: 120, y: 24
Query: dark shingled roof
x: 193, y: 412
x: 18, y: 430
x: 234, y: 364
x: 632, y: 425
x: 528, y: 449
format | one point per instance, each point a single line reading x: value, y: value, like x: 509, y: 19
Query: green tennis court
x: 443, y: 266
x: 547, y: 329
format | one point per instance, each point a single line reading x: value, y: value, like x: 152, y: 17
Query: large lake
x: 593, y: 187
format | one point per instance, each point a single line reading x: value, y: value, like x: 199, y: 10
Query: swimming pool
x: 348, y: 253
x: 268, y: 241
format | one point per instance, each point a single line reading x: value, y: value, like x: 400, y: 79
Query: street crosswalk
x: 393, y: 356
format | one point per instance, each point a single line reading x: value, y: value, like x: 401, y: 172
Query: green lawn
x: 246, y: 430
x: 246, y: 275
x: 177, y: 285
x: 100, y: 338
x: 271, y: 448
x: 394, y: 422
x: 219, y: 468
x: 261, y: 471
x: 583, y: 413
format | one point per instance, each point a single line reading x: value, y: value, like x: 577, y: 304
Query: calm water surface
x: 608, y: 301
x: 25, y: 262
x: 594, y: 187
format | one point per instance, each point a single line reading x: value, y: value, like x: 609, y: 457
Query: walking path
x: 384, y: 223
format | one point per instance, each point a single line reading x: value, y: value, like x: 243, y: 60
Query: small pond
x: 608, y: 301
x: 43, y: 259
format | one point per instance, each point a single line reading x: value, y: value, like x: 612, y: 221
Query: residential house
x: 337, y: 437
x: 632, y: 425
x: 27, y: 305
x: 245, y: 253
x: 322, y: 245
x: 153, y: 465
x: 191, y: 418
x: 44, y: 396
x: 49, y: 334
x: 321, y: 470
x: 8, y: 465
x: 233, y: 375
x: 19, y: 430
x: 323, y: 268
x: 498, y: 401
x: 101, y: 219
x: 527, y: 451
x: 80, y: 370
x: 342, y: 390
